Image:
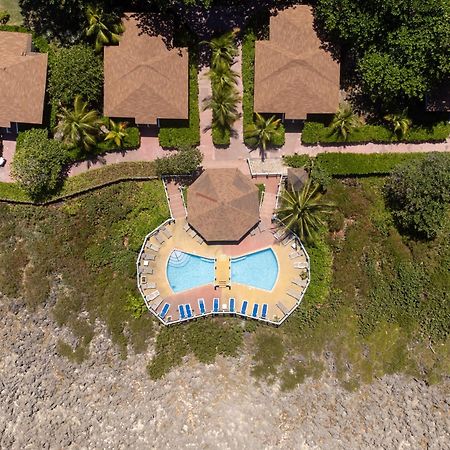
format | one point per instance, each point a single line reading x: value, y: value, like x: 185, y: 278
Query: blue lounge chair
x: 255, y: 310
x: 188, y: 310
x: 264, y: 311
x: 244, y: 307
x: 201, y: 305
x: 215, y: 305
x: 231, y: 304
x: 181, y: 311
x: 164, y: 310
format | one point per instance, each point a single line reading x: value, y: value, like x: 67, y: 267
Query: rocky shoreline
x: 109, y: 403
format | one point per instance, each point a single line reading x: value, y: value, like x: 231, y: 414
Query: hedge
x: 85, y: 182
x: 356, y: 164
x: 131, y: 142
x: 220, y: 138
x: 179, y: 133
x: 317, y: 133
x: 248, y: 81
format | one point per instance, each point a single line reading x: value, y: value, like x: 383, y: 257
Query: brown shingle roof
x: 143, y: 79
x: 293, y: 74
x: 223, y: 205
x: 23, y: 75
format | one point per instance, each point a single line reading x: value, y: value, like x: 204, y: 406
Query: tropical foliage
x: 418, y: 193
x: 400, y: 48
x: 222, y: 77
x: 38, y: 163
x: 223, y: 49
x: 117, y: 133
x: 344, y: 121
x: 302, y: 211
x: 399, y: 122
x: 105, y: 28
x: 79, y: 126
x: 223, y: 104
x: 75, y: 70
x: 262, y: 132
x: 183, y: 162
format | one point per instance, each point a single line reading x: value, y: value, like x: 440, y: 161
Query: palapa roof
x: 293, y: 74
x: 223, y: 205
x: 23, y: 76
x: 145, y: 80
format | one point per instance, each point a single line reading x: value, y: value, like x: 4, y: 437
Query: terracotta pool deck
x: 182, y: 240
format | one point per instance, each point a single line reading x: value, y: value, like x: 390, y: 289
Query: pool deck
x: 157, y: 250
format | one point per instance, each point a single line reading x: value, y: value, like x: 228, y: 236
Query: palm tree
x: 345, y: 121
x: 302, y: 210
x: 223, y: 48
x: 106, y: 29
x: 262, y: 132
x: 117, y: 132
x: 400, y: 123
x: 78, y: 126
x: 222, y: 77
x: 224, y: 108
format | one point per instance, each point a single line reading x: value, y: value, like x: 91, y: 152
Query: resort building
x: 223, y: 205
x: 144, y: 80
x: 294, y: 75
x: 23, y: 78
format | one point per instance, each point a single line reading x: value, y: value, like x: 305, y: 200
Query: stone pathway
x: 175, y: 200
x: 269, y: 200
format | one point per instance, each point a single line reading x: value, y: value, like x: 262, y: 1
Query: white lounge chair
x: 149, y: 285
x: 155, y: 247
x: 294, y: 255
x: 301, y: 265
x: 300, y: 282
x: 186, y: 226
x: 167, y: 233
x: 191, y: 233
x: 199, y: 239
x: 288, y: 239
x: 293, y: 293
x: 152, y: 296
x: 159, y: 239
x: 279, y: 234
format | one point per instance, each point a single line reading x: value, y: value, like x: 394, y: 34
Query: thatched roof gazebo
x: 223, y: 205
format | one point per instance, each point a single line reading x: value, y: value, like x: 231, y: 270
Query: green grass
x: 13, y: 8
x: 85, y: 249
x: 378, y: 301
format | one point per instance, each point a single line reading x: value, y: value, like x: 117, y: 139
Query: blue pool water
x: 186, y: 271
x: 259, y: 269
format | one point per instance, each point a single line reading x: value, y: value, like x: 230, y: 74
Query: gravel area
x: 107, y: 402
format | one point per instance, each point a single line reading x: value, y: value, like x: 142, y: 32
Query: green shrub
x: 38, y: 163
x: 179, y: 133
x: 220, y: 137
x: 76, y: 71
x: 317, y: 133
x: 182, y: 162
x: 418, y: 193
x: 131, y: 142
x: 355, y: 164
x: 296, y: 160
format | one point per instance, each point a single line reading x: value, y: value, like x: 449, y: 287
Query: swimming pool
x: 259, y: 269
x: 186, y: 271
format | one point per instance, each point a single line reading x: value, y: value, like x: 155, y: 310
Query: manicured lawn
x: 12, y: 6
x: 378, y: 301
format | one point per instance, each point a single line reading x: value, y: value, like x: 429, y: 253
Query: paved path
x: 269, y: 201
x: 175, y: 200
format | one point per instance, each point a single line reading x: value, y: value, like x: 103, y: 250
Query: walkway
x: 269, y: 201
x: 175, y: 200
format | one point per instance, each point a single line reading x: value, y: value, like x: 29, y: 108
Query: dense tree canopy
x: 401, y: 47
x: 419, y: 194
x: 38, y: 163
x: 76, y: 71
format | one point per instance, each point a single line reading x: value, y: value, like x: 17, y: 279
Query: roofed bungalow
x: 223, y: 205
x: 294, y: 75
x: 23, y: 76
x: 144, y: 80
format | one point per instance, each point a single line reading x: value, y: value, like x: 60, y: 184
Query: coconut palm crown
x: 302, y: 211
x: 399, y: 122
x: 105, y: 29
x: 222, y: 77
x: 262, y: 132
x: 78, y: 126
x: 345, y: 121
x: 223, y: 48
x: 224, y: 109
